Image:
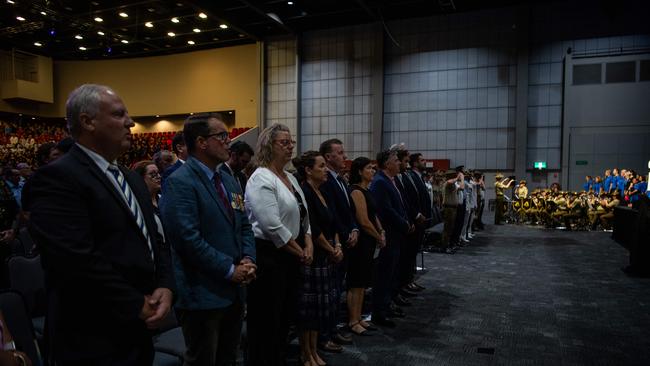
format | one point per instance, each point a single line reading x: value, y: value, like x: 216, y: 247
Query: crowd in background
x: 629, y: 185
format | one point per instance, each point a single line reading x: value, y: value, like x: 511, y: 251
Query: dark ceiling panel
x: 54, y: 28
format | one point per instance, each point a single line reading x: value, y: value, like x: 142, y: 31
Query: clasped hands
x: 245, y: 272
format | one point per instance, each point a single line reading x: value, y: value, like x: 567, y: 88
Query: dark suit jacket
x: 97, y: 263
x: 239, y: 176
x: 424, y: 200
x: 409, y: 196
x: 206, y: 241
x: 169, y: 171
x: 338, y: 205
x: 390, y: 209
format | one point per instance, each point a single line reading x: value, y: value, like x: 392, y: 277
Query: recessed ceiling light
x: 124, y: 29
x: 125, y: 41
x: 148, y: 24
x: 190, y: 42
x: 10, y: 2
x: 179, y: 4
x: 171, y: 34
x: 100, y: 33
x: 43, y: 13
x: 175, y: 20
x: 124, y: 15
x: 78, y: 37
x: 157, y: 115
x: 38, y: 44
x: 215, y: 39
x: 151, y: 10
x: 203, y: 16
x: 20, y: 18
x: 33, y: 117
x: 241, y: 35
x: 98, y: 19
x: 223, y: 26
x: 82, y: 48
x: 196, y: 30
x: 289, y: 2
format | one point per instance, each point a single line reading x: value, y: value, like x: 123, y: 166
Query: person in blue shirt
x: 607, y: 181
x: 613, y: 185
x: 640, y: 186
x: 588, y: 183
x: 621, y: 183
x: 597, y: 186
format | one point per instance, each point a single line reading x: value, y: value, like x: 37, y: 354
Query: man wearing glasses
x: 214, y: 247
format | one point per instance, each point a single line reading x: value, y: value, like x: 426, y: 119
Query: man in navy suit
x: 213, y: 245
x: 391, y: 210
x: 108, y: 273
x: 179, y: 148
x: 240, y: 156
x: 335, y: 192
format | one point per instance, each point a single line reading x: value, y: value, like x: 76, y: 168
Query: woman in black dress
x: 371, y: 235
x: 316, y: 307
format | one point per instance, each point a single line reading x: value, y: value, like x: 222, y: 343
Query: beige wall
x: 210, y: 80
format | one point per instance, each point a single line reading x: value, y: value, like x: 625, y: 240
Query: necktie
x: 222, y: 194
x: 343, y: 186
x: 131, y: 202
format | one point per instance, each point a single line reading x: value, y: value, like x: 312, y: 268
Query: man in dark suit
x: 240, y: 156
x: 179, y: 148
x: 391, y: 210
x: 418, y: 196
x: 213, y: 245
x: 108, y: 274
x: 335, y: 192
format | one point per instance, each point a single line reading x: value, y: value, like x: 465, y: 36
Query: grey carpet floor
x: 519, y: 295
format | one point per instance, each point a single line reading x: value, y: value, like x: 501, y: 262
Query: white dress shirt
x: 272, y: 208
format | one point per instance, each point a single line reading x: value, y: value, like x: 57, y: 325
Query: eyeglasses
x: 153, y: 175
x: 286, y: 142
x: 221, y: 136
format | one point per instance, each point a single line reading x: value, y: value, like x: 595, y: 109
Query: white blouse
x: 272, y: 208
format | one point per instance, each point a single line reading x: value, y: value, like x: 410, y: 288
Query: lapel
x: 337, y: 187
x: 85, y: 160
x: 193, y: 164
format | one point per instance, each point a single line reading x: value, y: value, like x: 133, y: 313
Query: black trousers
x: 385, y: 285
x: 272, y: 300
x: 212, y: 336
x: 408, y: 256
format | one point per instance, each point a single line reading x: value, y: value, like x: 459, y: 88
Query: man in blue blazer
x: 392, y: 213
x: 179, y: 148
x: 213, y: 247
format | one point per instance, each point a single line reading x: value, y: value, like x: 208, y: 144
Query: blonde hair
x: 264, y: 148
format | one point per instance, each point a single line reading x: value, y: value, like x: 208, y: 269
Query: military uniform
x: 499, y: 187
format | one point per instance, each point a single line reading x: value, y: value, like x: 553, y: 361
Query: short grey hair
x: 84, y: 99
x: 264, y: 148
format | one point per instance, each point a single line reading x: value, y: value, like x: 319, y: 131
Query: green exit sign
x: 540, y: 165
x: 581, y: 162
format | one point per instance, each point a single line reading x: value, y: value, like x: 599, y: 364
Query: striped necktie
x: 131, y: 202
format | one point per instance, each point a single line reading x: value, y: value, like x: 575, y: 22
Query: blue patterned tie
x: 131, y: 202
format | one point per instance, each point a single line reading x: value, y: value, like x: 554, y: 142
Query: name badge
x: 237, y: 202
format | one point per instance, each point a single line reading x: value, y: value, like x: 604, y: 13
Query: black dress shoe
x: 383, y: 322
x: 417, y: 286
x: 401, y: 301
x: 406, y: 293
x: 342, y: 339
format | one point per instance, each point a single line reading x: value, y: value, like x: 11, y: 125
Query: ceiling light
x: 196, y: 30
x: 175, y: 20
x: 223, y: 26
x: 78, y: 37
x: 100, y: 33
x: 148, y: 24
x: 289, y: 2
x: 98, y: 19
x: 33, y: 117
x: 157, y: 115
x: 171, y: 34
x: 124, y: 15
x: 10, y: 2
x: 82, y: 48
x: 20, y: 18
x: 38, y: 44
x: 151, y: 10
x: 190, y: 42
x: 124, y: 41
x: 203, y: 16
x: 43, y: 13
